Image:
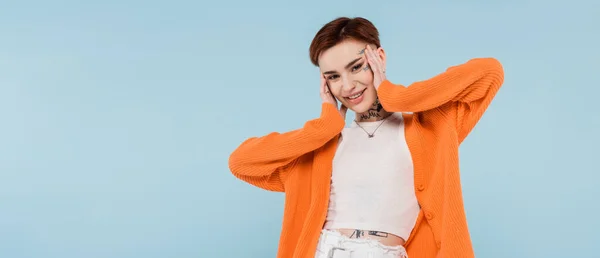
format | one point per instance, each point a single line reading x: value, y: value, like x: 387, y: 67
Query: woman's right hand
x: 328, y: 97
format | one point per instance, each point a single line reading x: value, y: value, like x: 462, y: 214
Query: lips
x: 356, y: 95
x: 356, y: 98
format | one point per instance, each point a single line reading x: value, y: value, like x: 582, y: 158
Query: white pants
x: 332, y: 244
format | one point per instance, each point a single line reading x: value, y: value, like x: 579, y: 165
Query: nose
x: 347, y: 85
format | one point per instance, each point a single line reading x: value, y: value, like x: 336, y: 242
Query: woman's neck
x: 375, y: 113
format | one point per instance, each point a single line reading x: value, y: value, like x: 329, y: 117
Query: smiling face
x: 348, y: 75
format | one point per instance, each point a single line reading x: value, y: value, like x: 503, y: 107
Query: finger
x: 343, y: 110
x: 374, y: 68
x: 370, y: 60
x: 380, y: 62
x: 323, y: 88
x: 331, y: 95
x: 326, y: 86
x: 376, y: 59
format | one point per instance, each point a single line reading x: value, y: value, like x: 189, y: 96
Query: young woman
x: 387, y: 185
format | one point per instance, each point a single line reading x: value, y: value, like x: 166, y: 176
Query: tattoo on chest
x: 361, y: 233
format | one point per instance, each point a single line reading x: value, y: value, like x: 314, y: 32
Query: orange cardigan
x: 444, y: 110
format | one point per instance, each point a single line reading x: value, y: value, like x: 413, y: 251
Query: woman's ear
x: 381, y: 54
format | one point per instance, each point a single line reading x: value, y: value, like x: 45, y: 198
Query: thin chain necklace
x: 371, y: 134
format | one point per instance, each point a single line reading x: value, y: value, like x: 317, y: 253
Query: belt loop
x: 333, y: 249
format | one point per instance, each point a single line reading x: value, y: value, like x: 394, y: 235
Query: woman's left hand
x: 377, y: 66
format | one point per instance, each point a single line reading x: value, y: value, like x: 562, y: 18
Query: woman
x: 388, y: 185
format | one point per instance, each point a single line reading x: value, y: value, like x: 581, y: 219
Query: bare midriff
x: 384, y: 238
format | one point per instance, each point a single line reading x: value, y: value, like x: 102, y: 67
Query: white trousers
x: 332, y: 244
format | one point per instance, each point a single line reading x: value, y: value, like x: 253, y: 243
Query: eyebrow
x: 347, y: 66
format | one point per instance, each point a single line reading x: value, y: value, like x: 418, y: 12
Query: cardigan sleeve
x: 265, y: 161
x: 463, y: 91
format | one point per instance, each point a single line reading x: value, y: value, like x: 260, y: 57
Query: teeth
x: 355, y: 96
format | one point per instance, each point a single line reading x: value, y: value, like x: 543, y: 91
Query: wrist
x: 330, y: 103
x: 331, y: 114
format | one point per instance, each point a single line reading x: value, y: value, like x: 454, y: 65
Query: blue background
x: 118, y: 118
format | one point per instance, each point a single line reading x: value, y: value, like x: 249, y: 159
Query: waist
x: 333, y: 243
x: 384, y: 238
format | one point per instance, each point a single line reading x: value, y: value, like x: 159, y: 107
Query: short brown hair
x: 340, y: 29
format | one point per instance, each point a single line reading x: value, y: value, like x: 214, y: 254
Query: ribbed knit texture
x: 444, y: 110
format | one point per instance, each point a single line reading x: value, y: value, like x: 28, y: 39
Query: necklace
x: 370, y: 134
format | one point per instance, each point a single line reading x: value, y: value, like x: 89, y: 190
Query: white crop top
x: 372, y: 184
